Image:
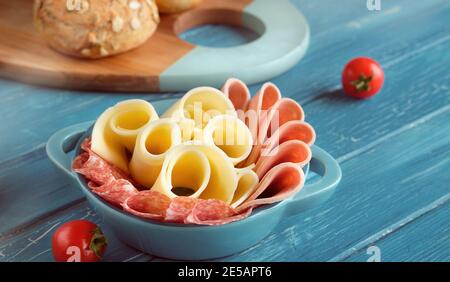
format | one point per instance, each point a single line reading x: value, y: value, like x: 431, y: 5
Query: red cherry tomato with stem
x: 78, y: 241
x: 362, y: 78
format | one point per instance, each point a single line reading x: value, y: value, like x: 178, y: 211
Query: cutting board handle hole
x: 240, y: 26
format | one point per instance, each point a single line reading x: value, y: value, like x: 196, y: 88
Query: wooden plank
x: 57, y: 109
x: 426, y: 239
x: 381, y: 186
x: 32, y: 188
x: 35, y: 243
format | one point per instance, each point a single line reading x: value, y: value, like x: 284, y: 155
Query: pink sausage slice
x: 281, y: 112
x: 291, y: 130
x: 292, y: 151
x: 281, y: 182
x: 237, y: 91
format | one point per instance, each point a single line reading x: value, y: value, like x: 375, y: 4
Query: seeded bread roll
x: 95, y: 28
x: 175, y: 6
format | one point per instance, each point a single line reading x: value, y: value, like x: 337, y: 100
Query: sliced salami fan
x: 115, y: 191
x: 180, y: 208
x: 148, y: 204
x: 94, y: 168
x: 281, y: 182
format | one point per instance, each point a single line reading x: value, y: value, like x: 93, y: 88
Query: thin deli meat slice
x: 292, y: 151
x: 266, y: 97
x: 116, y: 191
x: 148, y: 204
x: 214, y: 212
x: 291, y: 130
x: 238, y: 216
x: 237, y: 92
x: 94, y: 168
x: 281, y: 112
x: 179, y: 209
x: 280, y: 183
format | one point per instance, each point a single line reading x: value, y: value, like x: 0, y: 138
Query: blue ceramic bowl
x: 192, y: 242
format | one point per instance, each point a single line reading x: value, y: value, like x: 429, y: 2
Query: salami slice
x: 116, y: 191
x: 281, y: 182
x: 148, y: 204
x: 94, y: 168
x: 238, y: 216
x: 180, y: 208
x: 210, y: 212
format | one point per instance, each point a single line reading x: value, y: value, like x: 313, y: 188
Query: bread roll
x: 95, y: 28
x: 175, y: 6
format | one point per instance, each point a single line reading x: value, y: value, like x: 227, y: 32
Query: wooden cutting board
x: 165, y: 62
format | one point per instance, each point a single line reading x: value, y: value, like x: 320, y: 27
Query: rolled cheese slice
x: 117, y: 127
x: 201, y: 104
x: 152, y: 145
x: 106, y: 144
x: 231, y: 135
x: 186, y: 168
x: 247, y: 182
x: 130, y: 118
x: 223, y: 178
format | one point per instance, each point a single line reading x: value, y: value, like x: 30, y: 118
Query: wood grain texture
x: 24, y: 56
x: 394, y: 149
x: 431, y: 239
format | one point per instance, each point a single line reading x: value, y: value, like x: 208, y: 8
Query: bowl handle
x: 63, y: 142
x: 317, y: 192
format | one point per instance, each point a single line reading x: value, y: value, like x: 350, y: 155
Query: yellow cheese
x: 130, y: 117
x: 185, y: 167
x: 106, y: 144
x: 231, y: 135
x: 222, y: 181
x: 247, y: 182
x: 152, y: 146
x: 116, y: 130
x: 201, y: 104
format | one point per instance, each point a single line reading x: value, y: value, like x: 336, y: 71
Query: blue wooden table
x: 394, y: 149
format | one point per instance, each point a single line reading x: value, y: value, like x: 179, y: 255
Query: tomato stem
x: 362, y: 83
x: 98, y: 242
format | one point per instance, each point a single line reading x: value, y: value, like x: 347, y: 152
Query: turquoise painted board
x: 393, y: 149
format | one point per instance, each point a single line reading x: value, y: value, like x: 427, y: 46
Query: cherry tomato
x: 78, y: 241
x: 362, y: 78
